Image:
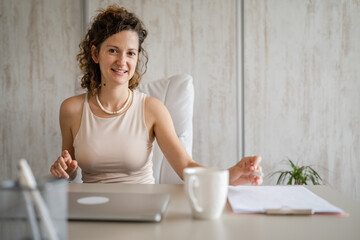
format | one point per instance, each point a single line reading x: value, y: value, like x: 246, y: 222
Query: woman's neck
x: 113, y: 98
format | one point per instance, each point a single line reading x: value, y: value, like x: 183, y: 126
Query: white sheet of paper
x: 256, y: 199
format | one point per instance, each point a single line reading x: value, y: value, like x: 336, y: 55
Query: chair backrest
x: 177, y: 94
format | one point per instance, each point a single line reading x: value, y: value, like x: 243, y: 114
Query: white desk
x: 178, y: 223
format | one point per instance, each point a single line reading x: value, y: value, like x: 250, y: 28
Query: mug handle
x: 194, y: 182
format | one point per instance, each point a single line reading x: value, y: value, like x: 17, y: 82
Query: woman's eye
x: 132, y: 53
x: 111, y: 50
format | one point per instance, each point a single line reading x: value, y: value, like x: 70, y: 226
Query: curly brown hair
x: 108, y: 22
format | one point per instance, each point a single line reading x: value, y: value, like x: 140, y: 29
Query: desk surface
x: 178, y: 223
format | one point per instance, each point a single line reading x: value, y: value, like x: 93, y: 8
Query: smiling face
x: 117, y: 57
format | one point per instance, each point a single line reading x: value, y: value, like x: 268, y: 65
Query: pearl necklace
x: 120, y: 110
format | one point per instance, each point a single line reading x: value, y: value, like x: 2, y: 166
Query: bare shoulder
x: 72, y: 106
x: 154, y: 106
x: 156, y: 112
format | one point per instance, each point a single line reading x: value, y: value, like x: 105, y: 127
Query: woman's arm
x: 70, y: 116
x: 160, y: 124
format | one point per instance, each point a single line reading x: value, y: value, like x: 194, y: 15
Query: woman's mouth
x: 119, y: 70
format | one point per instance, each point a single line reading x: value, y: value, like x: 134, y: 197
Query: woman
x: 110, y: 130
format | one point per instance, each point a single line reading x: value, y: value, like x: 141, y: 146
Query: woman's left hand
x: 243, y: 172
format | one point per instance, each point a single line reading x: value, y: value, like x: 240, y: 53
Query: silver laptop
x: 143, y: 207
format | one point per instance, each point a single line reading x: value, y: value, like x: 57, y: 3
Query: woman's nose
x: 121, y: 60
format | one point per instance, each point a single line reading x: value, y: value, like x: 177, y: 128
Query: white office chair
x: 177, y: 94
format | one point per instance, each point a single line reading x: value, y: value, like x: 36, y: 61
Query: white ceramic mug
x: 206, y: 190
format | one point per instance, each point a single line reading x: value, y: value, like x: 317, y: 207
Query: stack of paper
x: 263, y: 199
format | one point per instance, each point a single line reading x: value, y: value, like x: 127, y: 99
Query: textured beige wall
x: 38, y: 42
x: 199, y: 38
x: 302, y: 84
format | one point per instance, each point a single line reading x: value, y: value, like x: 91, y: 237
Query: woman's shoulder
x: 154, y: 107
x: 152, y: 103
x: 72, y: 105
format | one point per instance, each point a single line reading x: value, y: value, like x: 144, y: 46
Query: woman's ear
x: 94, y: 54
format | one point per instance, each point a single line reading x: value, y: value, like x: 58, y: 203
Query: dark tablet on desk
x: 95, y: 206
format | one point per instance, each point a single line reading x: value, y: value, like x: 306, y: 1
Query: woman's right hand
x: 64, y: 166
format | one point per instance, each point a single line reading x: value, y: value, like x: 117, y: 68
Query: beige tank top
x: 115, y: 149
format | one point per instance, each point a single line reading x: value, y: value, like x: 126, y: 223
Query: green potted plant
x: 298, y: 175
